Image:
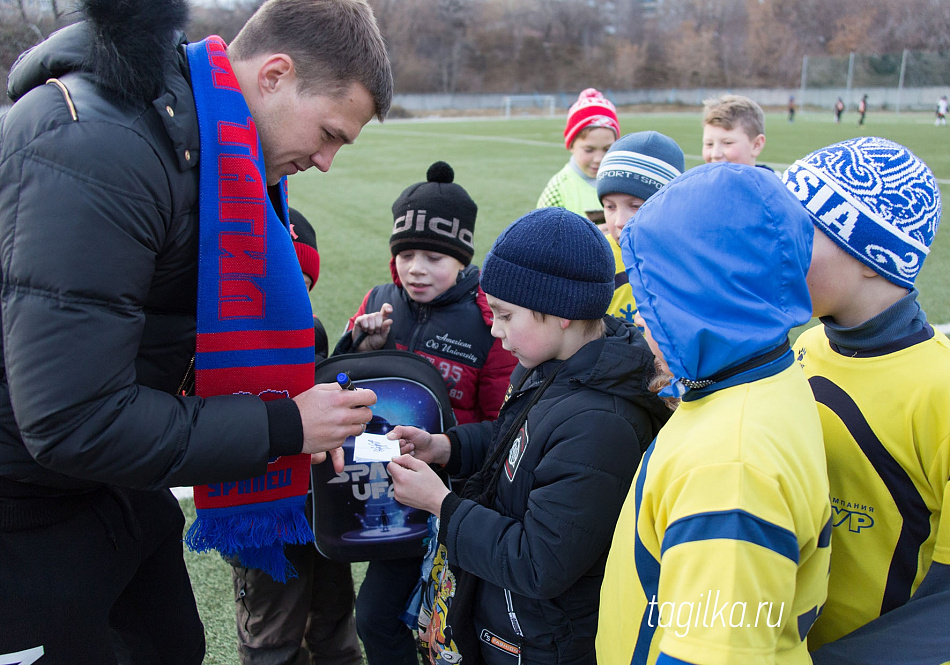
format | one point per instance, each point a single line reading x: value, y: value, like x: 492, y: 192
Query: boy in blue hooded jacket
x: 721, y: 551
x: 533, y: 523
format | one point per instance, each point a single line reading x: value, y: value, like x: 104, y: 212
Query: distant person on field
x: 592, y: 127
x: 310, y: 617
x: 941, y: 111
x: 839, y: 109
x: 434, y: 308
x: 733, y: 130
x: 879, y: 372
x: 635, y: 168
x: 729, y: 509
x: 791, y: 109
x: 862, y: 109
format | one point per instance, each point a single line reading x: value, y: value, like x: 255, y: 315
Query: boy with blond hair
x: 879, y: 372
x: 733, y: 130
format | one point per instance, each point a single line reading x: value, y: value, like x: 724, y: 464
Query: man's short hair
x: 333, y: 43
x: 731, y: 111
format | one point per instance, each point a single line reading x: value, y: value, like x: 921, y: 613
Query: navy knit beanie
x: 552, y: 261
x: 639, y: 164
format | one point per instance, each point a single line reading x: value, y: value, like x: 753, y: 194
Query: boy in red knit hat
x: 592, y: 127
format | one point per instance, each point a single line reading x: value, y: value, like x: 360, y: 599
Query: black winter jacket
x: 544, y: 540
x: 98, y: 260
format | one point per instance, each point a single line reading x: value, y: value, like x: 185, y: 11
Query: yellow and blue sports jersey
x: 886, y: 420
x: 622, y: 305
x: 568, y: 189
x: 721, y: 553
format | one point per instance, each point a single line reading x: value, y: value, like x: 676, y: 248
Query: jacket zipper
x: 187, y: 385
x: 515, y: 624
x: 424, y: 311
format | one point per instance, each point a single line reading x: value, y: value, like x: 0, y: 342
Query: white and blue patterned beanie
x: 875, y: 199
x: 639, y: 164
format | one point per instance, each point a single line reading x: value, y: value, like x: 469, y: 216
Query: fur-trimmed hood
x: 124, y: 45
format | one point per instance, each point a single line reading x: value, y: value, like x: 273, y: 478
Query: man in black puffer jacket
x: 98, y: 260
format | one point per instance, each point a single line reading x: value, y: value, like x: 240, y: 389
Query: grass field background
x: 504, y: 165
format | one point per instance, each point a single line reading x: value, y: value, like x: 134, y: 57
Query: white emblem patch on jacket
x: 516, y: 452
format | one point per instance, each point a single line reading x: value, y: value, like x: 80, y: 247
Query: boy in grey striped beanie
x: 634, y: 168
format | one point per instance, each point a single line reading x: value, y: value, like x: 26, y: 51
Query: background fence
x: 807, y: 98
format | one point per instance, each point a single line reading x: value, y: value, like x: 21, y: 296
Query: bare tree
x: 526, y: 46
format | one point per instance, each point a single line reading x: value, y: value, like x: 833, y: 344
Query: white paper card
x: 374, y: 448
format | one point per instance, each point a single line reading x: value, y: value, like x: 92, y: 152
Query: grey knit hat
x: 552, y: 261
x: 639, y: 164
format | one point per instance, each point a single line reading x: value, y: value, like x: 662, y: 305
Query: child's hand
x: 376, y: 326
x: 430, y: 448
x: 416, y: 485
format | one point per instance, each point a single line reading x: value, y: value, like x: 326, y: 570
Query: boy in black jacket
x: 534, y: 524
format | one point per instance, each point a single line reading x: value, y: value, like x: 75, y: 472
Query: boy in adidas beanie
x: 592, y: 126
x: 879, y: 372
x: 434, y: 308
x: 561, y: 455
x: 634, y: 169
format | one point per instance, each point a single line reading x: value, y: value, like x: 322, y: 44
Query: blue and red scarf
x: 255, y: 326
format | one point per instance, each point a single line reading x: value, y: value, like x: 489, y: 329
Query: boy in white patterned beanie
x: 879, y: 372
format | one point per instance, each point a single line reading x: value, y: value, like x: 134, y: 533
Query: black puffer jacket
x: 98, y: 259
x: 559, y: 493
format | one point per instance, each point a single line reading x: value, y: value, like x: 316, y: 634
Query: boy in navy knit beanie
x: 634, y: 169
x: 879, y: 372
x: 559, y: 459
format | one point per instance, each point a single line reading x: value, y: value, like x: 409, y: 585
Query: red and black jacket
x: 454, y: 333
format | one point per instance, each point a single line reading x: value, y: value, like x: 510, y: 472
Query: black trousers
x: 97, y: 580
x: 382, y: 598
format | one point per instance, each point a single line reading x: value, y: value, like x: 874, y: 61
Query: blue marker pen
x: 345, y: 382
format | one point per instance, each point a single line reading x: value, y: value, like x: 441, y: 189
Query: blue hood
x: 717, y: 262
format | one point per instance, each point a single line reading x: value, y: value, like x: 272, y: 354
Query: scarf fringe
x: 255, y: 535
